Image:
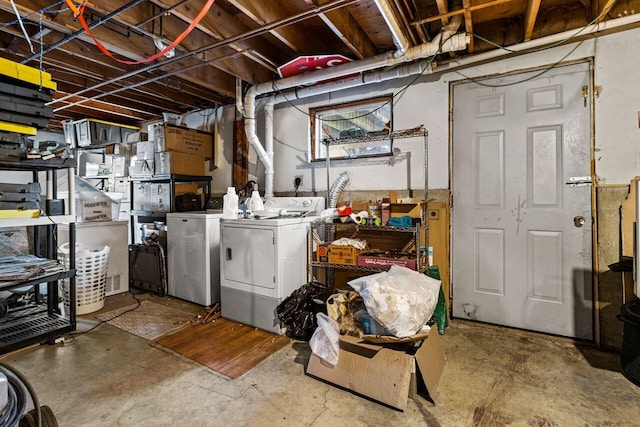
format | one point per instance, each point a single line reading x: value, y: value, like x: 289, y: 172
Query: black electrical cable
x: 18, y: 389
x: 138, y: 302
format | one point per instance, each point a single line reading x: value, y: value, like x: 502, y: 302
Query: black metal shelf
x: 41, y: 321
x: 31, y: 324
x: 38, y: 164
x: 45, y: 278
x: 346, y: 225
x: 352, y: 267
x: 171, y: 177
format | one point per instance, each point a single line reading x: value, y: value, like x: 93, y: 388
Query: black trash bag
x: 298, y: 311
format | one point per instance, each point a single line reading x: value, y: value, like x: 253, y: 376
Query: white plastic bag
x: 402, y: 300
x: 325, y: 340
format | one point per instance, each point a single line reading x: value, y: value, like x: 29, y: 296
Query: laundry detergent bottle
x: 255, y: 203
x: 230, y: 204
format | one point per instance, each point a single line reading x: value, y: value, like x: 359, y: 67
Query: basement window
x: 352, y: 130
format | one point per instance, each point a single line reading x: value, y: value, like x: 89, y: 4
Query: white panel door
x: 518, y: 256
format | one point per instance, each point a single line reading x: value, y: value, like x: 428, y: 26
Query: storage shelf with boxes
x: 173, y: 150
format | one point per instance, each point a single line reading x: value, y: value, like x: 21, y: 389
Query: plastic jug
x: 255, y: 203
x: 230, y: 204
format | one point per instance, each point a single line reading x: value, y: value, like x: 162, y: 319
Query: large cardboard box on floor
x: 382, y: 373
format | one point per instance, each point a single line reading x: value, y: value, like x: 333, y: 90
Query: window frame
x: 315, y: 132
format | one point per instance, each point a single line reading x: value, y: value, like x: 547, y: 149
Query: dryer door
x: 248, y: 257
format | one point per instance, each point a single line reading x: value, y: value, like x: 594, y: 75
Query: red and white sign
x: 303, y: 64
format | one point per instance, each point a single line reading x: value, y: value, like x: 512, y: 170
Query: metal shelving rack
x: 42, y: 319
x: 419, y: 131
x: 330, y: 229
x: 171, y: 179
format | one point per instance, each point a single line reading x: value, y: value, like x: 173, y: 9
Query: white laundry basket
x: 91, y: 277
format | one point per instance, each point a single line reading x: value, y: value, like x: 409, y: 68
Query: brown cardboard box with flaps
x: 382, y: 373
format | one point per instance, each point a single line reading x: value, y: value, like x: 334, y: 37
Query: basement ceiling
x: 245, y: 40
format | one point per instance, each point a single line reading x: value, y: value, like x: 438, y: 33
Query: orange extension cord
x: 78, y: 13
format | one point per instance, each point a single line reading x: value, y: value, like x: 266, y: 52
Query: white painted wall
x: 617, y: 70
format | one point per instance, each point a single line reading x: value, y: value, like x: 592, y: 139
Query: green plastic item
x: 442, y: 321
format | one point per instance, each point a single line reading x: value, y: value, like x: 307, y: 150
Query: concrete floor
x: 494, y: 377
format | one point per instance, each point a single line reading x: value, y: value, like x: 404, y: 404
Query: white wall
x: 617, y: 71
x: 425, y: 102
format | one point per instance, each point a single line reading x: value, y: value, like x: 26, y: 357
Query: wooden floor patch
x: 225, y: 346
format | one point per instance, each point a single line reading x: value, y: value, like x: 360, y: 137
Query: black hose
x: 19, y: 386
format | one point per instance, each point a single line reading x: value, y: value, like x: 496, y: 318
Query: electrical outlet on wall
x: 297, y: 181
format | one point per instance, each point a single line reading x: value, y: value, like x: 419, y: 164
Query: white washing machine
x: 262, y: 261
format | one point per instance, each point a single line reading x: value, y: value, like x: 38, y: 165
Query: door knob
x: 579, y: 221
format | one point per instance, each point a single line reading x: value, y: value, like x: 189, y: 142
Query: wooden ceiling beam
x: 602, y: 15
x: 263, y: 12
x: 349, y: 31
x: 530, y: 16
x: 220, y: 25
x: 170, y: 27
x: 137, y: 47
x: 101, y: 106
x: 83, y: 60
x: 472, y: 8
x: 468, y: 23
x: 443, y: 9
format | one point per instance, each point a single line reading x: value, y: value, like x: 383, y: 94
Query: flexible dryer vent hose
x: 336, y: 189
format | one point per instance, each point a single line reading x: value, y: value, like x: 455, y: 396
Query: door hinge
x: 585, y: 94
x: 274, y: 279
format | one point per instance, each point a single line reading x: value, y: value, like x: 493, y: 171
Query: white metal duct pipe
x: 399, y: 39
x: 451, y: 42
x: 250, y: 130
x: 268, y: 143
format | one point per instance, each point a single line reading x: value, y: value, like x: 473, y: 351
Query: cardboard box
x: 174, y: 162
x: 184, y: 140
x: 118, y: 164
x: 141, y: 168
x: 384, y: 374
x: 628, y: 218
x: 385, y: 262
x: 137, y: 136
x: 322, y: 254
x: 414, y: 210
x: 334, y: 254
x: 116, y: 148
x: 181, y: 188
x: 151, y: 196
x: 143, y: 150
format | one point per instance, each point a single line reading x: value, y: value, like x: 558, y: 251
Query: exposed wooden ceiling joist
x: 530, y: 15
x: 247, y: 40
